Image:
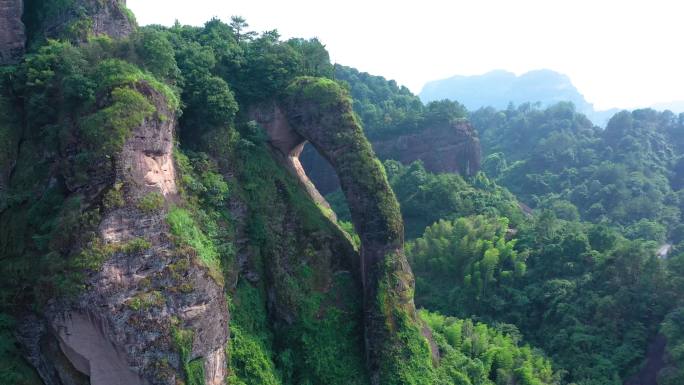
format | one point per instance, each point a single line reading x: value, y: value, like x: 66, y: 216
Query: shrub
x: 151, y: 203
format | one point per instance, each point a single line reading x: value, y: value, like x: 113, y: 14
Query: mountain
x: 157, y: 228
x: 674, y: 106
x: 499, y: 88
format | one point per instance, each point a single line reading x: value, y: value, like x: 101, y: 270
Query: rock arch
x: 320, y: 111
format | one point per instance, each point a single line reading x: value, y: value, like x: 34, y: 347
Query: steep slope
x: 453, y: 148
x: 137, y: 247
x: 129, y: 286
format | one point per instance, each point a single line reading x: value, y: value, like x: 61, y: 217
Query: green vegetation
x: 13, y: 368
x: 470, y: 253
x: 114, y: 198
x: 129, y: 108
x: 562, y: 282
x: 555, y: 159
x: 577, y: 276
x: 151, y: 203
x: 386, y: 109
x: 187, y: 233
x: 144, y: 301
x: 673, y: 329
x: 250, y: 346
x: 192, y: 368
x: 473, y: 353
x: 322, y: 341
x: 425, y: 198
x: 332, y: 104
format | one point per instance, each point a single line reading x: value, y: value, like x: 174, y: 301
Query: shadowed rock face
x: 454, y: 148
x: 288, y: 145
x: 12, y: 37
x: 316, y: 111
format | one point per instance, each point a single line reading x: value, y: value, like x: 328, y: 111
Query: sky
x: 618, y: 53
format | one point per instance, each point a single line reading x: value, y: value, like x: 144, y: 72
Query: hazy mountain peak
x: 499, y: 88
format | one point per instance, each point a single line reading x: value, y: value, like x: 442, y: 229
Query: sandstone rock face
x: 109, y: 18
x: 454, y: 149
x: 120, y: 331
x: 105, y: 17
x: 12, y: 37
x: 289, y: 146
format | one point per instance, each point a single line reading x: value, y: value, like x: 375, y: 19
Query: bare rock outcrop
x: 454, y: 148
x: 12, y: 36
x: 150, y: 298
x: 83, y: 17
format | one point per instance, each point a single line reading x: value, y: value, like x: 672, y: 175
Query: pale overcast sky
x: 619, y: 53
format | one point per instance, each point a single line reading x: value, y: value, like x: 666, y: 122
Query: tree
x: 239, y: 25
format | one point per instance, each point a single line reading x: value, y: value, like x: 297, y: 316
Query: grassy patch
x: 250, y: 347
x: 187, y: 233
x: 193, y: 369
x: 151, y: 203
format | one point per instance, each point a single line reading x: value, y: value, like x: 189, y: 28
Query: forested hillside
x: 570, y: 236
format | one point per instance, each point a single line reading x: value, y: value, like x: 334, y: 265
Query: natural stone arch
x: 320, y: 111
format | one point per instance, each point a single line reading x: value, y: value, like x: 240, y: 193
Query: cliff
x: 142, y: 288
x: 12, y: 37
x: 453, y: 148
x: 75, y: 20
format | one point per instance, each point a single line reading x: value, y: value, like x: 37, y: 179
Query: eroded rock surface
x: 120, y: 330
x: 454, y: 148
x: 288, y: 145
x: 101, y: 17
x: 12, y: 36
x: 110, y: 18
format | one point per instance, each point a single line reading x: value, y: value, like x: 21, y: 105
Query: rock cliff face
x: 12, y: 37
x: 317, y: 110
x: 111, y: 18
x: 454, y: 148
x: 78, y: 19
x: 124, y: 328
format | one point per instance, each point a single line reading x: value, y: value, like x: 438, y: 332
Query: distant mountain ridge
x: 499, y: 88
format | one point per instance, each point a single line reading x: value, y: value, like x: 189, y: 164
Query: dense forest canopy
x: 558, y: 236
